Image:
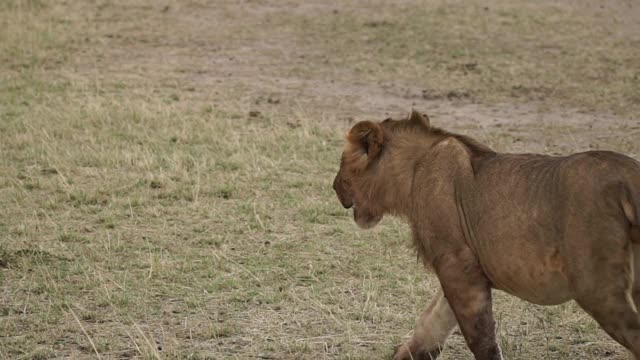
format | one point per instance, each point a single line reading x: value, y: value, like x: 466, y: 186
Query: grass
x: 491, y: 52
x: 165, y: 179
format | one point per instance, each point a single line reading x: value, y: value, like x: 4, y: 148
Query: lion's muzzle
x: 343, y: 194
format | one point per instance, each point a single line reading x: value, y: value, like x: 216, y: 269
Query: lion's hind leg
x: 616, y: 316
x: 433, y: 327
x: 635, y: 293
x: 603, y: 283
x: 636, y: 271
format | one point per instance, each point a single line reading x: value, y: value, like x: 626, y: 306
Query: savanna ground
x: 166, y: 166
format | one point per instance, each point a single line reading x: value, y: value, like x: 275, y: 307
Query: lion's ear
x: 367, y: 137
x: 419, y: 119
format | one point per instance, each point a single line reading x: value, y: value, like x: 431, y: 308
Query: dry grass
x: 500, y: 51
x: 165, y: 169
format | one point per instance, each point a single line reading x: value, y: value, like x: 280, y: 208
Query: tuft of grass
x: 5, y: 257
x: 224, y: 192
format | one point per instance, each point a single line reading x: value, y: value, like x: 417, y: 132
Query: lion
x: 547, y: 229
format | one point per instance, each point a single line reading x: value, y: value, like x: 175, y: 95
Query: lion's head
x: 365, y: 180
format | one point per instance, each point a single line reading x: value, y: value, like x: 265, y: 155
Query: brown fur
x: 546, y: 229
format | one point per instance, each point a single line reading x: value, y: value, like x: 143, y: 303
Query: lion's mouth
x: 364, y: 218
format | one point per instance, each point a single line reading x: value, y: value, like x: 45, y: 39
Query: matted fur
x: 545, y: 229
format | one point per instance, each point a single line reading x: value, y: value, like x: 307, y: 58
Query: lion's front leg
x: 433, y: 327
x: 468, y: 292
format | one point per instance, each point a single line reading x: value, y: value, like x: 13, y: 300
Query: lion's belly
x: 535, y: 275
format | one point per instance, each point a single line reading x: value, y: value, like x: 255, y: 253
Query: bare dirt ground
x: 165, y: 167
